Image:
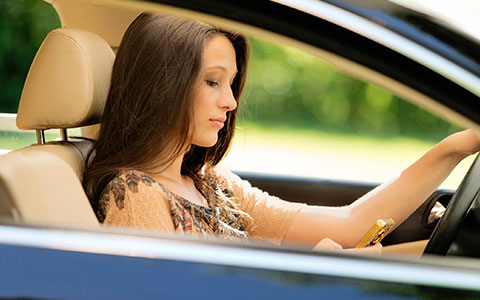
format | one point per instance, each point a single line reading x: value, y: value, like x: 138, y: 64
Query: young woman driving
x: 169, y: 120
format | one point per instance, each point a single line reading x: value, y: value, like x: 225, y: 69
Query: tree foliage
x: 289, y: 85
x: 23, y: 26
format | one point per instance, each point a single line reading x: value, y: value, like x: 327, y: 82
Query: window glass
x: 299, y: 115
x: 23, y: 26
x: 303, y: 117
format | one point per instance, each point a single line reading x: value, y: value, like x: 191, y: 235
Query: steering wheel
x: 448, y: 226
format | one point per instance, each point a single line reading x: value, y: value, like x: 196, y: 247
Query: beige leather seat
x: 66, y: 87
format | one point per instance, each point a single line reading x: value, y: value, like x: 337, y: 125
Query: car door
x: 57, y: 263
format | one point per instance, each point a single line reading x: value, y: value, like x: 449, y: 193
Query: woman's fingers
x: 375, y: 250
x: 327, y: 244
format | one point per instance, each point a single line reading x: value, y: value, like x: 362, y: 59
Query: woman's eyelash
x: 212, y: 82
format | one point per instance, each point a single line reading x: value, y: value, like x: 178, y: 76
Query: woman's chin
x: 207, y: 143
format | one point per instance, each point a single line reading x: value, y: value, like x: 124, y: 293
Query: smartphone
x: 378, y: 231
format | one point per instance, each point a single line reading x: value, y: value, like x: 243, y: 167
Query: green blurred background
x: 311, y: 93
x: 23, y: 26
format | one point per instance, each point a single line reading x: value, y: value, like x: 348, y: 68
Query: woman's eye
x: 212, y: 82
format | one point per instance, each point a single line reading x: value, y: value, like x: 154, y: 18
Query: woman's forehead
x: 220, y: 54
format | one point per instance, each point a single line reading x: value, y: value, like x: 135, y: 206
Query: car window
x: 23, y: 26
x: 303, y: 117
x: 299, y: 116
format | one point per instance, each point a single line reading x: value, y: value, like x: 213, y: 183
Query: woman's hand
x: 329, y: 245
x: 463, y: 143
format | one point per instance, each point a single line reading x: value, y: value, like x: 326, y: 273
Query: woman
x: 169, y: 119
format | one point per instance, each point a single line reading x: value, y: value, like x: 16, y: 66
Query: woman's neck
x: 172, y: 178
x: 173, y: 172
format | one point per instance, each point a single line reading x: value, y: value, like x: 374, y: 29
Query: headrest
x: 68, y: 81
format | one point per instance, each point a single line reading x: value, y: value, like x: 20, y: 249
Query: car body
x: 428, y: 63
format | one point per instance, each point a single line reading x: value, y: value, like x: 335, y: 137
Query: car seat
x: 66, y: 87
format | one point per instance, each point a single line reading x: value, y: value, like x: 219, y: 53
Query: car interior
x: 66, y: 88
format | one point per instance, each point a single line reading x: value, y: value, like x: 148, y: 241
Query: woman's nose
x: 228, y: 101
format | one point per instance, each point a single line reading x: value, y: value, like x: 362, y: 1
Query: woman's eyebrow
x: 220, y: 67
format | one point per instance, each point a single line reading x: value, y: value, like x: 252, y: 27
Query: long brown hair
x: 148, y: 113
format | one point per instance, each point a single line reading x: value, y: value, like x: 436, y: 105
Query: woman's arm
x: 396, y: 199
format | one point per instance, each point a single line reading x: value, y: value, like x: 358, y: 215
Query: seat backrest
x: 66, y: 87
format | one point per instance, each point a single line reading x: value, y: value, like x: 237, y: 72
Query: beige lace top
x: 134, y: 199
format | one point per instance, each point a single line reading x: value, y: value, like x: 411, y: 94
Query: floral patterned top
x: 236, y: 211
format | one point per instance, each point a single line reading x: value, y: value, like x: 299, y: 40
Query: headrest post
x: 63, y: 134
x: 40, y: 136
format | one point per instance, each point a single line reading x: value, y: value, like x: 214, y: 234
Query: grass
x: 305, y: 152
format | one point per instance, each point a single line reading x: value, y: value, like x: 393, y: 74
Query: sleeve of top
x: 271, y: 215
x: 137, y: 205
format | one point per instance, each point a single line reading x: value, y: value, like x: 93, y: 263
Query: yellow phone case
x: 378, y: 231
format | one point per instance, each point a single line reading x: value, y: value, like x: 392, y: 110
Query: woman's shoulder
x: 218, y: 175
x: 133, y: 198
x: 218, y: 172
x: 129, y: 180
x: 123, y: 182
x: 134, y: 178
x: 221, y: 177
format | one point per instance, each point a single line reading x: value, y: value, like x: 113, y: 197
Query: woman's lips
x: 218, y: 122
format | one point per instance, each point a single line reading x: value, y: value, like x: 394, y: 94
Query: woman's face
x: 214, y: 98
